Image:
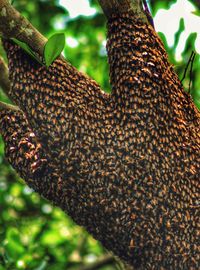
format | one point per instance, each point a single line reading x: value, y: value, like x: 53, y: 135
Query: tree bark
x: 4, y: 79
x: 14, y: 25
x: 117, y: 7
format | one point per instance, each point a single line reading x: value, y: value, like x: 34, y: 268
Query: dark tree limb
x: 123, y: 6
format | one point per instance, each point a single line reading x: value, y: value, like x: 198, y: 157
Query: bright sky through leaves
x: 78, y: 7
x: 166, y: 21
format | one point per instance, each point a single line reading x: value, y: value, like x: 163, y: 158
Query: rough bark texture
x: 117, y: 7
x: 12, y: 24
x: 127, y: 165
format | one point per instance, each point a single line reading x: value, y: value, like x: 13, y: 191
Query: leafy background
x: 34, y: 234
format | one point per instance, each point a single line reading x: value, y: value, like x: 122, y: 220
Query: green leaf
x: 53, y: 48
x: 27, y: 49
x: 197, y: 13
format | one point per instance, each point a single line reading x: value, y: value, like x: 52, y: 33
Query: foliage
x: 53, y: 48
x: 33, y: 233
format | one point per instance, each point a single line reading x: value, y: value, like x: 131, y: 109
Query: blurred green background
x: 33, y: 234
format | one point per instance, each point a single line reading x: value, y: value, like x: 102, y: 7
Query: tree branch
x: 4, y: 78
x: 14, y: 25
x: 5, y: 85
x: 123, y: 6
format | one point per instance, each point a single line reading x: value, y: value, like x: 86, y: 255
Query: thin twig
x: 187, y: 66
x: 148, y: 13
x: 191, y: 68
x: 4, y: 78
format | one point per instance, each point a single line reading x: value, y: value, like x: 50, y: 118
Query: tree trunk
x: 126, y: 166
